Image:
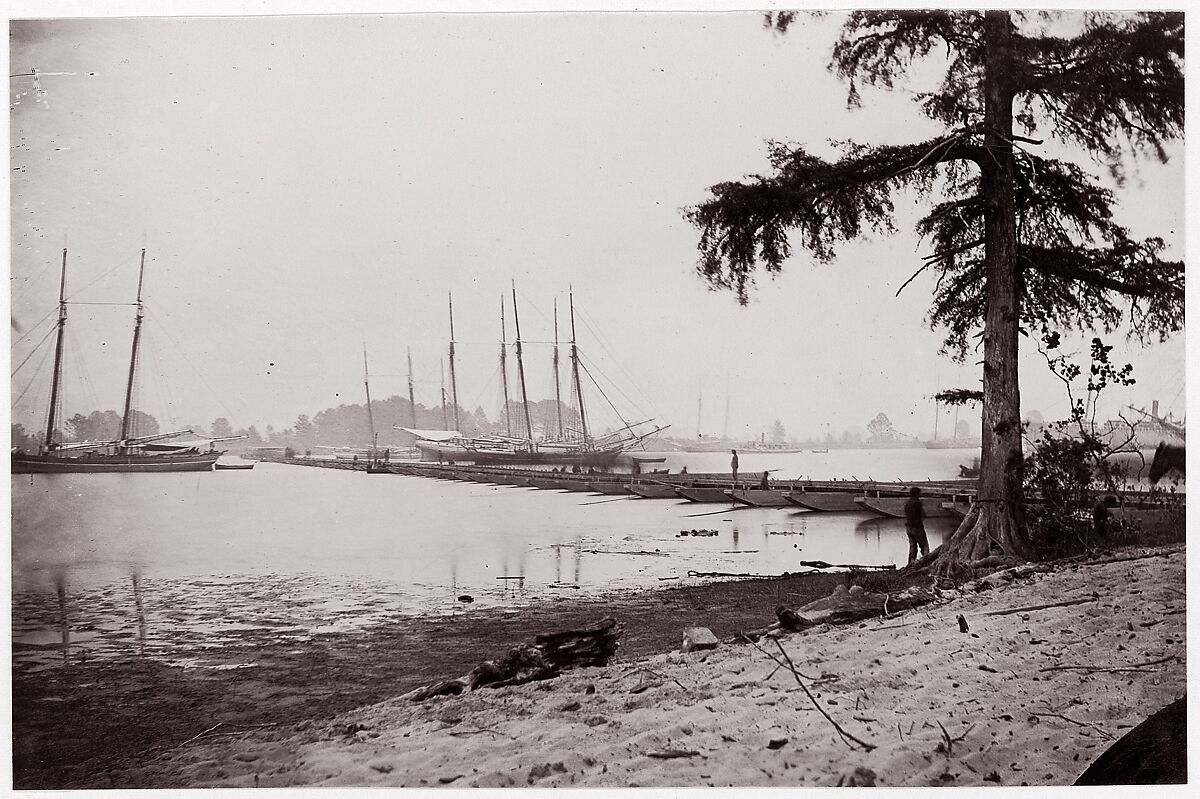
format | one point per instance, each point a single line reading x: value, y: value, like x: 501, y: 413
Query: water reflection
x: 293, y: 552
x: 140, y: 613
x: 876, y: 525
x: 64, y: 626
x: 880, y: 534
x: 512, y: 586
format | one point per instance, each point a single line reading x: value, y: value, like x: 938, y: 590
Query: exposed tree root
x: 987, y: 538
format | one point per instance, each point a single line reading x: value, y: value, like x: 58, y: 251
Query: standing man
x: 914, y: 524
x: 733, y: 464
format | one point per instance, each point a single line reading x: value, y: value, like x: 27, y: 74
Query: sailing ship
x: 569, y: 447
x: 128, y: 453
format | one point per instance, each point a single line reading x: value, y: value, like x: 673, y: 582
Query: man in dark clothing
x: 914, y: 525
x: 1101, y: 515
x: 733, y: 464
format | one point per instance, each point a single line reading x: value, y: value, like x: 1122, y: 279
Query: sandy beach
x: 1024, y: 697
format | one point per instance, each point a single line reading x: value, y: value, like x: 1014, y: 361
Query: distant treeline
x: 343, y: 426
x: 96, y: 426
x: 348, y: 425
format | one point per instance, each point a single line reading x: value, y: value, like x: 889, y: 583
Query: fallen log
x: 671, y: 754
x: 820, y: 564
x: 692, y: 573
x: 845, y: 606
x: 792, y: 621
x: 549, y: 656
x: 1063, y: 604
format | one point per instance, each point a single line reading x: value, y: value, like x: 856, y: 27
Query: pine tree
x: 1019, y: 239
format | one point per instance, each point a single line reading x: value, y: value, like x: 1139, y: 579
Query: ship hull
x: 48, y: 464
x: 432, y: 451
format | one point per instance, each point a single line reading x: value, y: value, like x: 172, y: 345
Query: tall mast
x: 575, y: 369
x: 137, y: 334
x: 412, y: 403
x: 52, y: 417
x: 504, y: 368
x: 725, y: 429
x: 445, y: 421
x: 557, y: 387
x: 367, y: 386
x: 453, y: 379
x: 521, y: 369
x: 699, y: 406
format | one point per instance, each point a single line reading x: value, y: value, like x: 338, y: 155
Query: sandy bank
x: 1030, y: 697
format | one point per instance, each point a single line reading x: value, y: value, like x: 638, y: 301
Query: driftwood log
x: 841, y: 607
x: 844, y: 606
x: 547, y: 657
x: 820, y: 564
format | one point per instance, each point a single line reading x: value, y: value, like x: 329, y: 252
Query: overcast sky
x: 307, y: 184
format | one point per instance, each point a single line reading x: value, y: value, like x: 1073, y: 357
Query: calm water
x: 173, y: 564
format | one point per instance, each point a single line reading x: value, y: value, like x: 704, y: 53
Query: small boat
x: 894, y: 506
x: 544, y: 483
x: 758, y: 497
x: 510, y: 480
x: 608, y: 487
x: 825, y: 501
x: 653, y: 490
x: 820, y: 451
x: 703, y: 494
x: 229, y: 467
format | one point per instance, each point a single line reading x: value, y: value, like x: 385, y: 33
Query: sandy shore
x: 1022, y: 698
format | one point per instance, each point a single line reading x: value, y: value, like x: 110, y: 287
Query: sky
x: 308, y: 185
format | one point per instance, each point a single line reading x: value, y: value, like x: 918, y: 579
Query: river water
x: 171, y: 564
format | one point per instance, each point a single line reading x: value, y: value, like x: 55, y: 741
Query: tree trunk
x: 995, y: 525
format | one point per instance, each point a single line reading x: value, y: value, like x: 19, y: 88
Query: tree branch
x: 1067, y: 271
